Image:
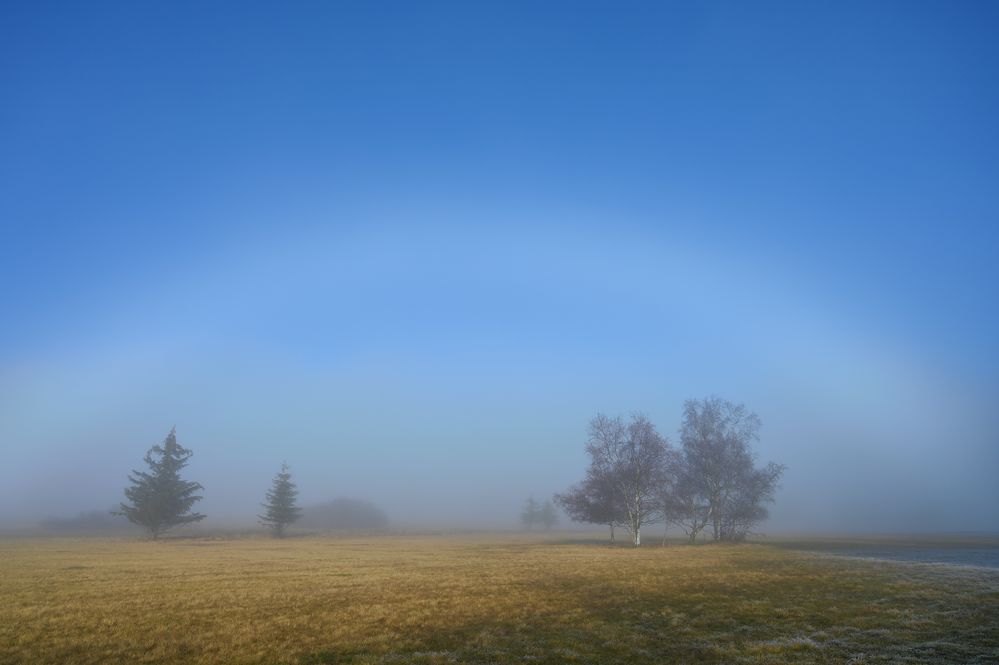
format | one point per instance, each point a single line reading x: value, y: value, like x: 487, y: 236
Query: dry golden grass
x: 478, y: 599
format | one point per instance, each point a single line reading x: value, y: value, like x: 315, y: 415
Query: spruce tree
x: 160, y: 499
x: 280, y: 510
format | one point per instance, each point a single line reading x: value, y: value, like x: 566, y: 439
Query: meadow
x: 479, y: 599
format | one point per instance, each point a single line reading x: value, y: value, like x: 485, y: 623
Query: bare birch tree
x: 632, y: 459
x: 685, y: 504
x: 716, y: 437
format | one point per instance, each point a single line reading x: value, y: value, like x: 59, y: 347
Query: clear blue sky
x: 412, y: 247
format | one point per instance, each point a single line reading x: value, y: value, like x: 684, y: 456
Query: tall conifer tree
x: 160, y: 499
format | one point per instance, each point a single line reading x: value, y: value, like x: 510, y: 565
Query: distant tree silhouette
x: 280, y: 509
x: 531, y: 515
x: 160, y: 499
x: 548, y: 515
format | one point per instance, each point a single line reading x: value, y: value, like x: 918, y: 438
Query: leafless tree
x: 632, y: 459
x: 594, y: 501
x: 671, y: 489
x: 746, y: 505
x: 719, y: 470
x: 685, y: 504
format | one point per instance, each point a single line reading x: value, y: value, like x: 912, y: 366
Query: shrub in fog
x: 89, y: 521
x: 344, y: 513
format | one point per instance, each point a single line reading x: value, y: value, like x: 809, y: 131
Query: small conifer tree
x: 280, y: 510
x: 160, y: 499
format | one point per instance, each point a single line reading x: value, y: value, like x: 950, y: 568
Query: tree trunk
x: 638, y: 536
x: 612, y: 531
x: 715, y: 522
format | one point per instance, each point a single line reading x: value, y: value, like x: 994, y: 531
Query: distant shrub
x: 90, y: 521
x: 344, y: 513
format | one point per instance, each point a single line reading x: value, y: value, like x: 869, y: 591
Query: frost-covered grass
x: 483, y: 599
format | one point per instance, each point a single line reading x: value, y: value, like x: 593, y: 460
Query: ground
x: 479, y: 599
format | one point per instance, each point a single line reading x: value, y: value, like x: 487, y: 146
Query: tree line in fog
x: 709, y: 484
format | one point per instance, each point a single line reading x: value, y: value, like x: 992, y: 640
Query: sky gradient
x: 411, y: 248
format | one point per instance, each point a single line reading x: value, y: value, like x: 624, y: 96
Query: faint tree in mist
x: 548, y: 515
x: 531, y: 515
x: 160, y: 499
x: 280, y: 509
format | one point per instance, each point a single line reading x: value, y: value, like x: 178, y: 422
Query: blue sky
x: 412, y: 247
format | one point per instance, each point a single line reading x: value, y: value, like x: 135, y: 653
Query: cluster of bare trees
x: 711, y: 481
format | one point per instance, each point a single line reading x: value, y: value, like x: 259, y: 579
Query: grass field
x: 482, y: 599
